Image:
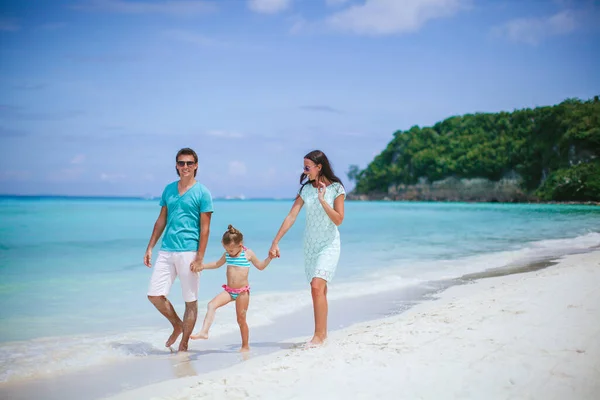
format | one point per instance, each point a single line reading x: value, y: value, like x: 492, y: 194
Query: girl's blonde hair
x: 232, y: 235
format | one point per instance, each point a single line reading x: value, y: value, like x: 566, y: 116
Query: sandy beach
x: 532, y: 335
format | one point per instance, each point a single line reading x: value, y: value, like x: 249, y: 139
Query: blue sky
x: 97, y: 96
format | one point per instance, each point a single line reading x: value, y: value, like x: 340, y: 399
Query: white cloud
x: 180, y: 8
x: 52, y: 26
x: 321, y: 108
x: 78, y: 159
x: 65, y: 174
x: 385, y: 17
x: 9, y: 25
x: 14, y: 175
x: 225, y: 134
x: 192, y: 37
x: 275, y: 147
x: 335, y: 2
x: 28, y: 86
x: 112, y: 177
x: 269, y: 175
x: 237, y: 168
x: 299, y: 24
x: 269, y: 6
x: 352, y: 134
x: 533, y: 30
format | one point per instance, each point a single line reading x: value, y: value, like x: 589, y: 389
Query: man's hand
x: 148, y: 258
x: 196, y: 265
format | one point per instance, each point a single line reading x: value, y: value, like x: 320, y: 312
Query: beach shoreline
x: 524, y: 335
x: 385, y: 197
x: 220, y: 353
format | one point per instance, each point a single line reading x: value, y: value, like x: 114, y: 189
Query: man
x: 186, y: 210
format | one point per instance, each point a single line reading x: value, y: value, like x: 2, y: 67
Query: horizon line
x: 132, y: 197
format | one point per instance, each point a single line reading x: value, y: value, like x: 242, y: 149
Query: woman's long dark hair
x: 318, y: 157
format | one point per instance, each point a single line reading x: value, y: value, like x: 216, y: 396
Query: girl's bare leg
x: 220, y: 300
x: 241, y: 307
x: 318, y: 288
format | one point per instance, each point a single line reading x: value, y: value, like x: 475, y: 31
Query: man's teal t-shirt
x: 182, y: 232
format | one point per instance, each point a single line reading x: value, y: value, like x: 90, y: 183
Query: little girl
x: 238, y: 259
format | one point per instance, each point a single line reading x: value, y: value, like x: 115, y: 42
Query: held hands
x: 196, y: 265
x: 274, y: 251
x: 148, y: 258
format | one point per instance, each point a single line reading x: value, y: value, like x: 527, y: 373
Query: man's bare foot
x: 199, y: 335
x: 245, y: 349
x: 183, y: 347
x: 173, y: 338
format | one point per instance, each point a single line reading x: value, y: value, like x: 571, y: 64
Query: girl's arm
x: 256, y: 262
x: 214, y: 264
x: 286, y: 225
x: 336, y: 214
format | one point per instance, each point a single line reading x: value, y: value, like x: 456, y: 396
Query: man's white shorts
x: 167, y: 267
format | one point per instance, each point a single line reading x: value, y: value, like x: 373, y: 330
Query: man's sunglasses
x: 184, y: 163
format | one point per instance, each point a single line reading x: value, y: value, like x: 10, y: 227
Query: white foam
x: 39, y: 357
x: 46, y: 356
x: 428, y: 270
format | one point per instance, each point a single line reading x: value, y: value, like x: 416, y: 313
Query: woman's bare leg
x: 318, y: 288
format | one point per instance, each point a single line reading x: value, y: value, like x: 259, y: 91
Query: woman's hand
x: 322, y: 189
x: 274, y: 251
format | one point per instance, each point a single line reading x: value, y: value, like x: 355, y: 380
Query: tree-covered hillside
x: 552, y: 151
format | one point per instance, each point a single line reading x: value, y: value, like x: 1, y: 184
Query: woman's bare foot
x: 199, y: 335
x: 245, y: 349
x: 173, y: 338
x: 317, y: 340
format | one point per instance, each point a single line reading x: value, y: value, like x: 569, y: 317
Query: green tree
x: 547, y: 146
x: 353, y: 173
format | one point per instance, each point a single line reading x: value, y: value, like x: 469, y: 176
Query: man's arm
x: 204, y: 232
x: 205, y: 218
x: 159, y: 227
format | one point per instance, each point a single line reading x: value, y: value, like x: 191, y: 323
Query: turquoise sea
x: 73, y: 281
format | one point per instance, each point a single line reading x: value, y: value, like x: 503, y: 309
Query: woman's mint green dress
x: 321, y: 235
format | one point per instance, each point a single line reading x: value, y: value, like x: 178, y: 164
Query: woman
x: 324, y: 195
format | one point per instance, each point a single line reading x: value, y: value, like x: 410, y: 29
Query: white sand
x: 527, y: 336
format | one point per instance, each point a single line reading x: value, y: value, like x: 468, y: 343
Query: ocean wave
x: 526, y: 253
x: 57, y: 355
